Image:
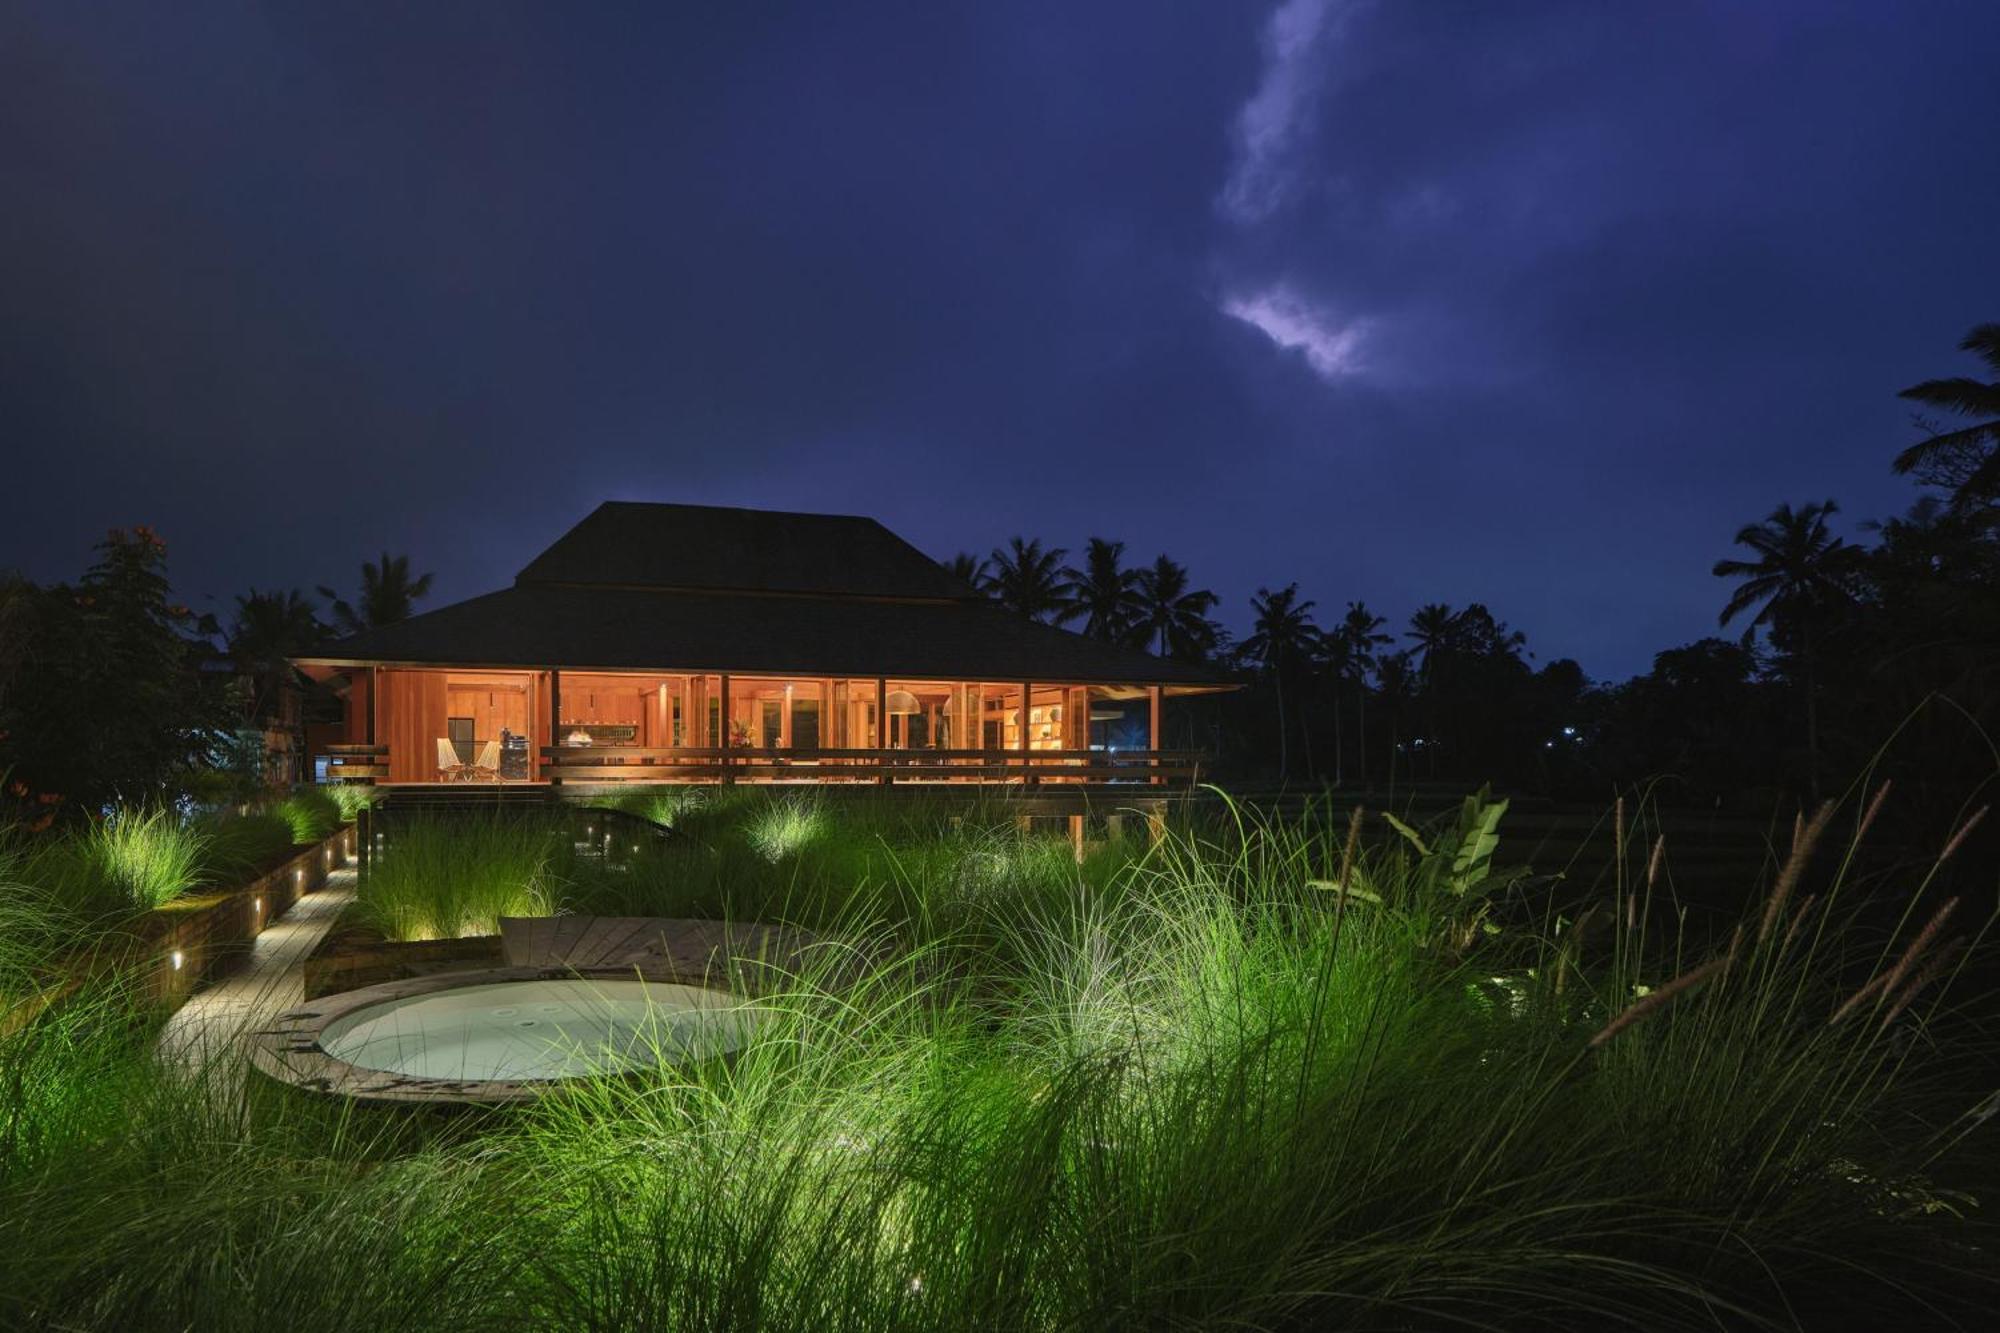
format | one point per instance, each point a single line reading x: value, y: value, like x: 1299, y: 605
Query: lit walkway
x: 269, y: 982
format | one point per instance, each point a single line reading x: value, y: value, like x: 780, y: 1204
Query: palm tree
x: 1360, y: 634
x: 1395, y: 679
x: 1801, y: 570
x: 1967, y: 460
x: 1283, y: 638
x: 1435, y: 631
x: 968, y: 569
x: 1173, y: 618
x: 1029, y: 580
x: 387, y: 592
x: 1104, y: 592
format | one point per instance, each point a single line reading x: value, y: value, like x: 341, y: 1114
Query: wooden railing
x: 361, y: 764
x: 623, y: 763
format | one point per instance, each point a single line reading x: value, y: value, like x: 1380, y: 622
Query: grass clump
x: 239, y: 846
x: 788, y: 825
x: 665, y: 804
x: 312, y: 813
x: 350, y: 798
x: 144, y: 858
x: 446, y: 877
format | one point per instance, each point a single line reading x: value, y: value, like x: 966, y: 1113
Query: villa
x: 686, y: 643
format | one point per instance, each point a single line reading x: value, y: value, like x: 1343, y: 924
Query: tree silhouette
x: 1360, y: 635
x: 1283, y: 640
x: 1104, y: 592
x: 1173, y: 618
x: 269, y: 630
x: 1801, y: 571
x: 1029, y: 580
x: 1434, y: 630
x: 968, y: 569
x: 1965, y: 460
x: 387, y: 593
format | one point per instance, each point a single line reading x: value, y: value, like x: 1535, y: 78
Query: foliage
x: 387, y: 595
x: 1964, y: 460
x: 1201, y: 1094
x: 1104, y: 593
x: 1174, y: 617
x: 236, y: 847
x: 312, y: 812
x: 101, y: 698
x: 351, y: 798
x: 444, y: 877
x: 1030, y: 581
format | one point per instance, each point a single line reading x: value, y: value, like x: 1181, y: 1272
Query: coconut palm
x: 1801, y: 570
x: 1435, y: 631
x: 1283, y: 640
x: 1396, y: 685
x: 1029, y: 580
x: 968, y: 569
x: 1360, y: 636
x: 1966, y: 459
x: 1173, y: 618
x: 1104, y: 592
x: 387, y: 593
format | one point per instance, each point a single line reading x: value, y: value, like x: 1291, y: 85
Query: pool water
x: 539, y: 1030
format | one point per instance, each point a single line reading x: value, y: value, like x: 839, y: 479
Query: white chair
x: 449, y: 767
x: 486, y: 766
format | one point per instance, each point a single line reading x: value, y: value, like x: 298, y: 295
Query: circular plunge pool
x: 497, y: 1037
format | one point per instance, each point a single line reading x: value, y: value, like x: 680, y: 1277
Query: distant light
x: 256, y: 904
x: 1569, y: 731
x: 177, y: 960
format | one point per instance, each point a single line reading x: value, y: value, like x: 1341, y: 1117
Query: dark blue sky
x: 1527, y: 303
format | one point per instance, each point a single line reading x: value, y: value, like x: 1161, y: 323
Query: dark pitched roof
x: 609, y: 628
x: 660, y: 587
x: 740, y: 550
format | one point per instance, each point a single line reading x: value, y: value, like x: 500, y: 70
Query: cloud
x: 1270, y: 125
x: 1331, y: 346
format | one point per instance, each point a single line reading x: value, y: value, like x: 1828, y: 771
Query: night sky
x: 1533, y: 304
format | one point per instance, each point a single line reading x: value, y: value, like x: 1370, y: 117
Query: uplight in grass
x: 787, y: 826
x: 149, y: 857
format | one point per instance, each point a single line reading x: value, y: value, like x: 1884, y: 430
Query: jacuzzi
x: 503, y: 1034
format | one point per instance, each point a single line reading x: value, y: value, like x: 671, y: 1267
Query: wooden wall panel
x: 411, y: 718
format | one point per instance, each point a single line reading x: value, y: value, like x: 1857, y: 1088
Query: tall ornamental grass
x: 1263, y: 1075
x: 312, y: 813
x: 445, y: 877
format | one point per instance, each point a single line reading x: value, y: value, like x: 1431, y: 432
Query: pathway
x: 270, y: 982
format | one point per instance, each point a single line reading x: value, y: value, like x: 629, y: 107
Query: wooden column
x: 728, y: 772
x: 553, y: 768
x: 1153, y: 725
x: 1027, y: 707
x: 1076, y: 837
x: 882, y: 724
